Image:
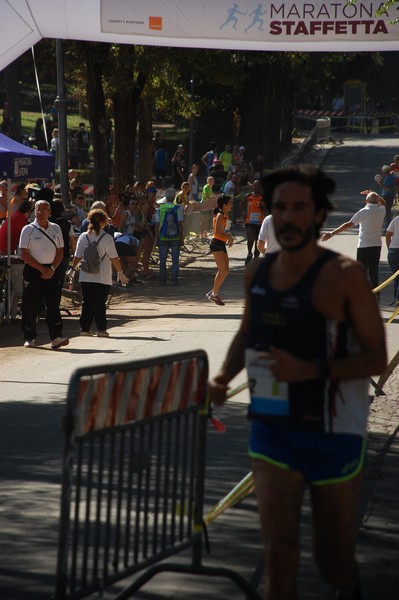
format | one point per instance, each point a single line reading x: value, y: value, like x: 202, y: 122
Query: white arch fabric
x: 231, y: 24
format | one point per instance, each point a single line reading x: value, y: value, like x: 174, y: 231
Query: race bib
x: 268, y: 396
x: 254, y: 218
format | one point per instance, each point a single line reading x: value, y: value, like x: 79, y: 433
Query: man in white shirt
x: 267, y: 241
x: 42, y: 249
x: 370, y: 219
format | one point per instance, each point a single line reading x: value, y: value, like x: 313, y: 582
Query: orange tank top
x: 220, y: 236
x: 255, y: 212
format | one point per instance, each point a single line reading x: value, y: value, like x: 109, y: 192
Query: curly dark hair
x: 320, y: 184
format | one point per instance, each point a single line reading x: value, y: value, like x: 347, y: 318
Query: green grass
x: 29, y: 119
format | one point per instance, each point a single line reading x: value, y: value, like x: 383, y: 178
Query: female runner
x: 221, y: 237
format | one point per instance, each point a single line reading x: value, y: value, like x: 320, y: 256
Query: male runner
x: 310, y: 347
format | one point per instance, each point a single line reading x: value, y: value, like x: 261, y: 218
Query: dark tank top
x: 289, y: 321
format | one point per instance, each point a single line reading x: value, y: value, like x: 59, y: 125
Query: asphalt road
x: 150, y: 320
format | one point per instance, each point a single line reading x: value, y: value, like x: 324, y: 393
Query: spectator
x: 18, y: 221
x: 55, y: 147
x: 193, y: 183
x: 267, y: 241
x: 210, y: 156
x: 170, y: 242
x: 217, y: 173
x: 149, y: 208
x: 182, y: 196
x: 392, y: 241
x: 178, y: 169
x: 156, y: 142
x: 3, y: 199
x: 369, y: 219
x: 73, y: 150
x: 207, y: 190
x: 161, y: 165
x: 388, y: 186
x: 42, y: 249
x: 127, y: 247
x: 78, y: 207
x: 226, y: 158
x: 39, y: 135
x: 96, y: 286
x: 21, y: 194
x: 83, y: 139
x: 257, y: 166
x: 68, y: 235
x: 123, y: 205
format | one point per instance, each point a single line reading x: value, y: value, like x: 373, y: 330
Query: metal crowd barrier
x: 198, y: 218
x: 133, y: 475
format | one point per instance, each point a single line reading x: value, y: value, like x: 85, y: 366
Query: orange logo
x: 155, y: 23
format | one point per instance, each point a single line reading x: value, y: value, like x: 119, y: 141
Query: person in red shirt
x: 18, y: 220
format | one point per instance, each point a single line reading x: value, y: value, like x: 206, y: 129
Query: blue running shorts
x: 322, y: 458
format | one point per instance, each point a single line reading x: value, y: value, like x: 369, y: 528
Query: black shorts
x: 217, y: 246
x: 255, y: 226
x: 125, y: 249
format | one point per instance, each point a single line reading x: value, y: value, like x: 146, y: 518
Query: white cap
x: 170, y: 194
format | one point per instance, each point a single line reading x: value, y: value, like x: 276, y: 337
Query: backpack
x: 170, y: 225
x: 91, y: 260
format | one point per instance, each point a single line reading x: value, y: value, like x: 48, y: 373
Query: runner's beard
x: 307, y: 235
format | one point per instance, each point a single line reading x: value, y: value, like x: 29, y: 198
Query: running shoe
x: 102, y: 334
x: 217, y: 300
x: 86, y: 333
x: 30, y: 344
x: 58, y: 342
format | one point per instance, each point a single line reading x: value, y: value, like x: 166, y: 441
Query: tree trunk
x: 252, y: 126
x: 99, y: 123
x: 146, y: 162
x: 272, y: 117
x: 11, y: 85
x: 125, y: 102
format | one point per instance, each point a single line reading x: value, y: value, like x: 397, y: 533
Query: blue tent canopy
x: 19, y: 161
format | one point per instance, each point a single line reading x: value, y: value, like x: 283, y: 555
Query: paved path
x: 151, y: 321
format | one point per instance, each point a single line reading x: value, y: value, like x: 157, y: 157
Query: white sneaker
x: 58, y: 342
x: 87, y: 333
x: 102, y: 334
x: 30, y: 344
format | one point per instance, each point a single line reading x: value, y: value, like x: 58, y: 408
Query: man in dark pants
x: 309, y: 346
x: 42, y: 249
x: 370, y: 219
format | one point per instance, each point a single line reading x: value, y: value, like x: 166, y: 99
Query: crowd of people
x: 137, y: 224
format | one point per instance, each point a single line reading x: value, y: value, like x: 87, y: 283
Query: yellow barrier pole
x: 381, y: 287
x: 238, y: 493
x: 385, y: 283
